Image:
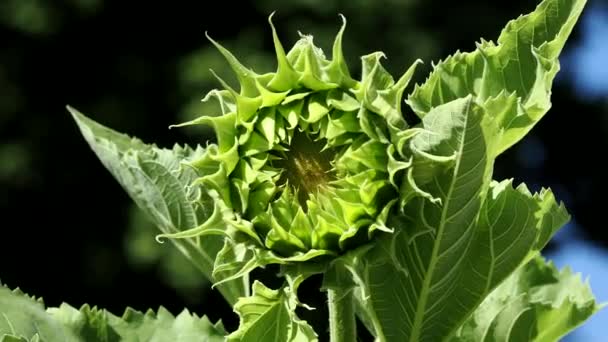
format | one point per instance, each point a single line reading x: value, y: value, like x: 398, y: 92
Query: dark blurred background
x: 68, y: 232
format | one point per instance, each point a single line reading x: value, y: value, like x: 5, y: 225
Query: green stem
x: 342, y: 324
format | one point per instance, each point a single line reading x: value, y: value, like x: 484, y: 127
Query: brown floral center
x: 307, y: 167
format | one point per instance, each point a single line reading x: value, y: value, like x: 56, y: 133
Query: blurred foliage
x: 41, y: 17
x: 14, y: 160
x: 144, y: 252
x: 29, y: 16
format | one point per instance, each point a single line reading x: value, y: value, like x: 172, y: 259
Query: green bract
x: 320, y: 173
x: 307, y: 161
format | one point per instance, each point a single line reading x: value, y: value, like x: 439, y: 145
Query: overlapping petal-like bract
x: 307, y: 159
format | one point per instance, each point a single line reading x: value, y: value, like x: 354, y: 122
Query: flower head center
x: 307, y: 166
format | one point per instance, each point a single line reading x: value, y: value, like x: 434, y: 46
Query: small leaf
x: 162, y: 187
x: 269, y: 315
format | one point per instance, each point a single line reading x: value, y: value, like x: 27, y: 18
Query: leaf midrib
x: 416, y: 327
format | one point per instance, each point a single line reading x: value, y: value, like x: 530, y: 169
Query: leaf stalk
x: 342, y: 323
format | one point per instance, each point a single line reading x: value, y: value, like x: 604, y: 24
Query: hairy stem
x: 342, y: 323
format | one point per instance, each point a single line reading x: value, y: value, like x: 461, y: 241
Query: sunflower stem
x: 342, y: 323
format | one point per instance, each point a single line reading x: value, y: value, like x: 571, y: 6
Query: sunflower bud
x: 307, y: 159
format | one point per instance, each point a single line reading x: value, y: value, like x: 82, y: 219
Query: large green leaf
x: 24, y: 319
x: 448, y: 252
x: 536, y: 303
x: 269, y: 315
x: 458, y: 235
x: 410, y: 276
x: 162, y: 187
x: 512, y: 78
